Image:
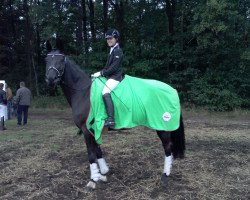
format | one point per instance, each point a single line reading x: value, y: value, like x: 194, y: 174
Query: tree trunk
x: 84, y: 27
x: 60, y: 28
x: 28, y: 36
x: 77, y: 11
x: 119, y: 22
x: 170, y: 11
x: 36, y: 78
x: 105, y: 16
x: 38, y: 54
x: 38, y: 42
x: 92, y: 20
x: 79, y: 31
x: 12, y: 22
x: 13, y: 37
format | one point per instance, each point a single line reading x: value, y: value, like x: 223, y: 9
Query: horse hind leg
x: 178, y: 141
x: 167, y: 145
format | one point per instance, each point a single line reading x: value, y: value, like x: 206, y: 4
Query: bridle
x: 59, y: 74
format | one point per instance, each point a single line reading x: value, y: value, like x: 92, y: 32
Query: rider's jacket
x: 113, y: 68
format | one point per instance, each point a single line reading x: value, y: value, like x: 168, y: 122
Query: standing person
x: 3, y: 102
x: 14, y: 106
x: 3, y: 99
x: 23, y: 100
x: 113, y: 72
x: 9, y: 97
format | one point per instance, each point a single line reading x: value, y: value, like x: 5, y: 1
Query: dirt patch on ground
x: 47, y: 160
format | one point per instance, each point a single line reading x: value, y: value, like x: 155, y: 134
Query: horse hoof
x: 104, y: 171
x: 103, y: 178
x: 164, y: 180
x: 91, y: 185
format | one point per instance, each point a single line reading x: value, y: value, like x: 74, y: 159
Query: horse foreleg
x: 166, y: 143
x: 104, y: 168
x: 95, y: 174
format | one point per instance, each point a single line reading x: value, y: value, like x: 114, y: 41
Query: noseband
x: 59, y: 75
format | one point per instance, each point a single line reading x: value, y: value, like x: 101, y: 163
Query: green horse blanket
x: 137, y: 102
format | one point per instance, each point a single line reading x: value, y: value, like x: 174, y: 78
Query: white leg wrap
x: 168, y: 164
x: 95, y: 174
x: 103, y: 165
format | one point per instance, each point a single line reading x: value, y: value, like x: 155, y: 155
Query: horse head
x: 55, y: 63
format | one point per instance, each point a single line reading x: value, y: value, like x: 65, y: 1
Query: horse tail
x: 178, y: 141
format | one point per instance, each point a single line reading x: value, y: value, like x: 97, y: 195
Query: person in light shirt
x: 9, y: 97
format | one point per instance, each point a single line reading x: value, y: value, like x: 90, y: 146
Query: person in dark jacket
x: 23, y: 100
x: 113, y: 72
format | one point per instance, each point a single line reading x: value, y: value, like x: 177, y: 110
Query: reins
x: 59, y: 76
x: 82, y: 89
x: 113, y: 93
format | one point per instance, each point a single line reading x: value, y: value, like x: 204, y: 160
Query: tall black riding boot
x: 109, y: 109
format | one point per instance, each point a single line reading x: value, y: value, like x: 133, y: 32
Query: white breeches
x: 109, y: 86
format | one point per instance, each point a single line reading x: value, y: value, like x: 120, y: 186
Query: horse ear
x: 48, y: 46
x: 59, y: 45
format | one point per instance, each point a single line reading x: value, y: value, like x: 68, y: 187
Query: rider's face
x: 111, y: 41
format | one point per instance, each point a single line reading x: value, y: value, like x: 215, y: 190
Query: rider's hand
x: 95, y: 75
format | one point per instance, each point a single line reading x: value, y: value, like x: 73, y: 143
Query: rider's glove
x: 95, y: 75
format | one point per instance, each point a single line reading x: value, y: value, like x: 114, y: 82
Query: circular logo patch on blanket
x: 166, y: 116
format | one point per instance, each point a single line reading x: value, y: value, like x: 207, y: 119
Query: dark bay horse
x: 76, y: 85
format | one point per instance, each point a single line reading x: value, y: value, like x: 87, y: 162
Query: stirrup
x: 109, y: 122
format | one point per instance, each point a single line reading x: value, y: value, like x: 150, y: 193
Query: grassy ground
x: 47, y: 160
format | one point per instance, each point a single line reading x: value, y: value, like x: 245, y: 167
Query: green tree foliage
x: 219, y: 28
x: 199, y: 47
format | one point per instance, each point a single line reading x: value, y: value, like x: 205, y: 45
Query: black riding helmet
x: 112, y: 33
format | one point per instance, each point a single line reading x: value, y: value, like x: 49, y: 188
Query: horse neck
x: 74, y: 81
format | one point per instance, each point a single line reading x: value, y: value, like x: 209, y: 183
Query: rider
x: 113, y: 72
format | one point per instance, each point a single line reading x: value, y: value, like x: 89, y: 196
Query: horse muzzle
x: 52, y: 82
